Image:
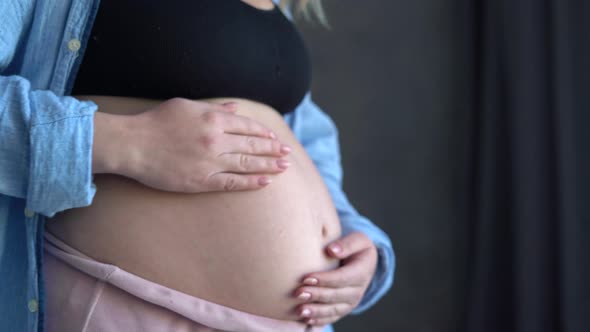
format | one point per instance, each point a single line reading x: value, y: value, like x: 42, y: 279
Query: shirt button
x: 74, y: 45
x: 29, y: 213
x: 33, y: 305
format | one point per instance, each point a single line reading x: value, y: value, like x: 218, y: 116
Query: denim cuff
x: 60, y: 173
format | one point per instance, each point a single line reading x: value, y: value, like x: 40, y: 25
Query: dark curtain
x: 529, y: 211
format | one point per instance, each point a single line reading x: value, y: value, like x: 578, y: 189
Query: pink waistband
x: 204, y: 312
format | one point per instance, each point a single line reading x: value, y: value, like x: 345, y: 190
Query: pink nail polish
x: 283, y: 164
x: 305, y: 313
x: 304, y: 296
x: 263, y: 181
x: 310, y: 281
x: 285, y: 149
x: 336, y: 249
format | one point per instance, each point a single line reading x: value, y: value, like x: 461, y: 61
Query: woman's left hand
x: 331, y: 295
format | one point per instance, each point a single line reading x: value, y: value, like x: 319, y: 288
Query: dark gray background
x: 387, y: 73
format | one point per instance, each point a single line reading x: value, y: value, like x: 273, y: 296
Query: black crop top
x: 195, y: 49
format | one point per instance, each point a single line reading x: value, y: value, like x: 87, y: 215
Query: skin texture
x: 326, y: 296
x: 337, y: 292
x: 243, y: 249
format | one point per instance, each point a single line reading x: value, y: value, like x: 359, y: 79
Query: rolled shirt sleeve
x: 319, y: 136
x: 45, y: 147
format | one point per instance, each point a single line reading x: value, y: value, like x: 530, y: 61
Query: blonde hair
x: 307, y: 9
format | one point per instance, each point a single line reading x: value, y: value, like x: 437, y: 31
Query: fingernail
x: 272, y: 135
x: 285, y: 149
x: 305, y: 313
x: 310, y: 281
x: 263, y: 181
x: 311, y: 321
x: 304, y: 296
x: 335, y: 248
x: 283, y: 164
x: 231, y: 105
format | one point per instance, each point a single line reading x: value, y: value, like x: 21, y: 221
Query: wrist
x: 111, y: 143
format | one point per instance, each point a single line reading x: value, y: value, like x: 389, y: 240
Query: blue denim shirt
x: 46, y: 148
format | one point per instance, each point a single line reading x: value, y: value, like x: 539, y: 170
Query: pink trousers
x: 86, y: 295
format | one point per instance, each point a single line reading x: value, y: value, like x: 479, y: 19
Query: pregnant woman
x: 216, y: 186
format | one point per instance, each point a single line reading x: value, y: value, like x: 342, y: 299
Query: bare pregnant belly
x: 246, y: 250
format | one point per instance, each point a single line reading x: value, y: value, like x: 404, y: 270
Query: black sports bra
x: 195, y: 49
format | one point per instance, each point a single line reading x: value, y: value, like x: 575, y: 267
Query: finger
x: 315, y: 311
x: 322, y: 321
x: 350, y: 274
x: 245, y: 163
x: 230, y: 106
x: 241, y: 125
x: 328, y: 295
x: 349, y: 245
x: 254, y: 145
x: 236, y: 182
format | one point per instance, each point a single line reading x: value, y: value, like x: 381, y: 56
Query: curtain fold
x: 529, y: 204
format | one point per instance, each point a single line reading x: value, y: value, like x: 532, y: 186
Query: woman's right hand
x: 188, y: 146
